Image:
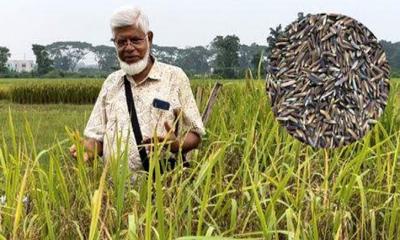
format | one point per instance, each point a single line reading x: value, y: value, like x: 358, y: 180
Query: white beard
x: 137, y: 67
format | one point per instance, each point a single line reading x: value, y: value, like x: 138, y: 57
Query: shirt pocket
x: 159, y: 116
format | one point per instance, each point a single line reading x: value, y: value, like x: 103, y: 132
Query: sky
x: 180, y: 23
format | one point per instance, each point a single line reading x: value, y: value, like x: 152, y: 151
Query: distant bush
x: 13, y: 74
x: 54, y: 74
x: 73, y: 91
x: 3, y: 94
x: 55, y: 91
x: 395, y: 73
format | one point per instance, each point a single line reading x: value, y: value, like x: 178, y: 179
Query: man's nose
x: 130, y: 47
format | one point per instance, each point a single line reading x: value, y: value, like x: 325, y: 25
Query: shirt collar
x: 155, y: 71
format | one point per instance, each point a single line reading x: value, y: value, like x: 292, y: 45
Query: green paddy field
x: 248, y: 180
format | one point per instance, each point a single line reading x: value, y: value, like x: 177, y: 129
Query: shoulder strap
x: 135, y: 124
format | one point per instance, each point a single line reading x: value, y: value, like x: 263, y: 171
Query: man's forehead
x: 129, y: 30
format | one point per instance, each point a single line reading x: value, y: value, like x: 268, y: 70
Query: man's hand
x: 170, y: 139
x: 89, y: 149
x: 190, y: 141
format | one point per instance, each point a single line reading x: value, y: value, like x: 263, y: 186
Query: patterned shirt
x: 110, y: 122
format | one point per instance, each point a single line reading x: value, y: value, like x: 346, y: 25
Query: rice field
x: 248, y: 180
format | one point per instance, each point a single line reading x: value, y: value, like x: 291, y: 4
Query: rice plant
x: 248, y: 180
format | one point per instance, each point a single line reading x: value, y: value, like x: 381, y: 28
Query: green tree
x: 4, y: 55
x: 166, y: 54
x: 392, y: 51
x: 258, y: 61
x: 249, y: 56
x: 106, y: 58
x: 194, y: 60
x: 43, y: 62
x: 66, y: 55
x: 226, y: 61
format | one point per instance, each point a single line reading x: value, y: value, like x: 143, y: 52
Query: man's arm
x: 190, y: 141
x: 187, y: 142
x: 91, y: 146
x: 95, y: 127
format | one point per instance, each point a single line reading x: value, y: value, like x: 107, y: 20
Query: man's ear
x: 150, y: 35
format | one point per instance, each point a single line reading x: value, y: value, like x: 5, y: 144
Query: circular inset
x: 328, y: 79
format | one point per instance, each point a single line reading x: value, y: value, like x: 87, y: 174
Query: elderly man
x: 155, y: 93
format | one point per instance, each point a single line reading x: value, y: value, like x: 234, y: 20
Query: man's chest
x: 151, y: 117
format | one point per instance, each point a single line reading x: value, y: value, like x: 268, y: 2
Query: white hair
x: 129, y: 16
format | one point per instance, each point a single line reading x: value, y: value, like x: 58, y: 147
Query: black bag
x: 169, y: 163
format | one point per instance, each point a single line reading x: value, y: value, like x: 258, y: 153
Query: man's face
x: 132, y: 43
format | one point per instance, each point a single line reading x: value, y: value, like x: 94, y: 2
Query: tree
x: 166, y: 54
x: 66, y: 55
x: 106, y: 58
x: 43, y: 62
x: 247, y: 54
x: 226, y: 61
x: 392, y: 51
x: 255, y: 62
x: 194, y: 60
x: 4, y: 55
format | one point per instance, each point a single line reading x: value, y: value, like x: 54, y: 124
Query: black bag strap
x: 135, y: 124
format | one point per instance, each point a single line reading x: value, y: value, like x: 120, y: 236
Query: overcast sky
x: 178, y: 23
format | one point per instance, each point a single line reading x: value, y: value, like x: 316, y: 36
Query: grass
x: 47, y: 121
x: 249, y: 179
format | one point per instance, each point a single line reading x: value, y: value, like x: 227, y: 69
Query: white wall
x: 21, y: 65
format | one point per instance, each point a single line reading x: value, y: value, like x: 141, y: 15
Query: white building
x: 21, y: 65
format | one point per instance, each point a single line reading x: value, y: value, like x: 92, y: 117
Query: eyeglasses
x: 123, y: 42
